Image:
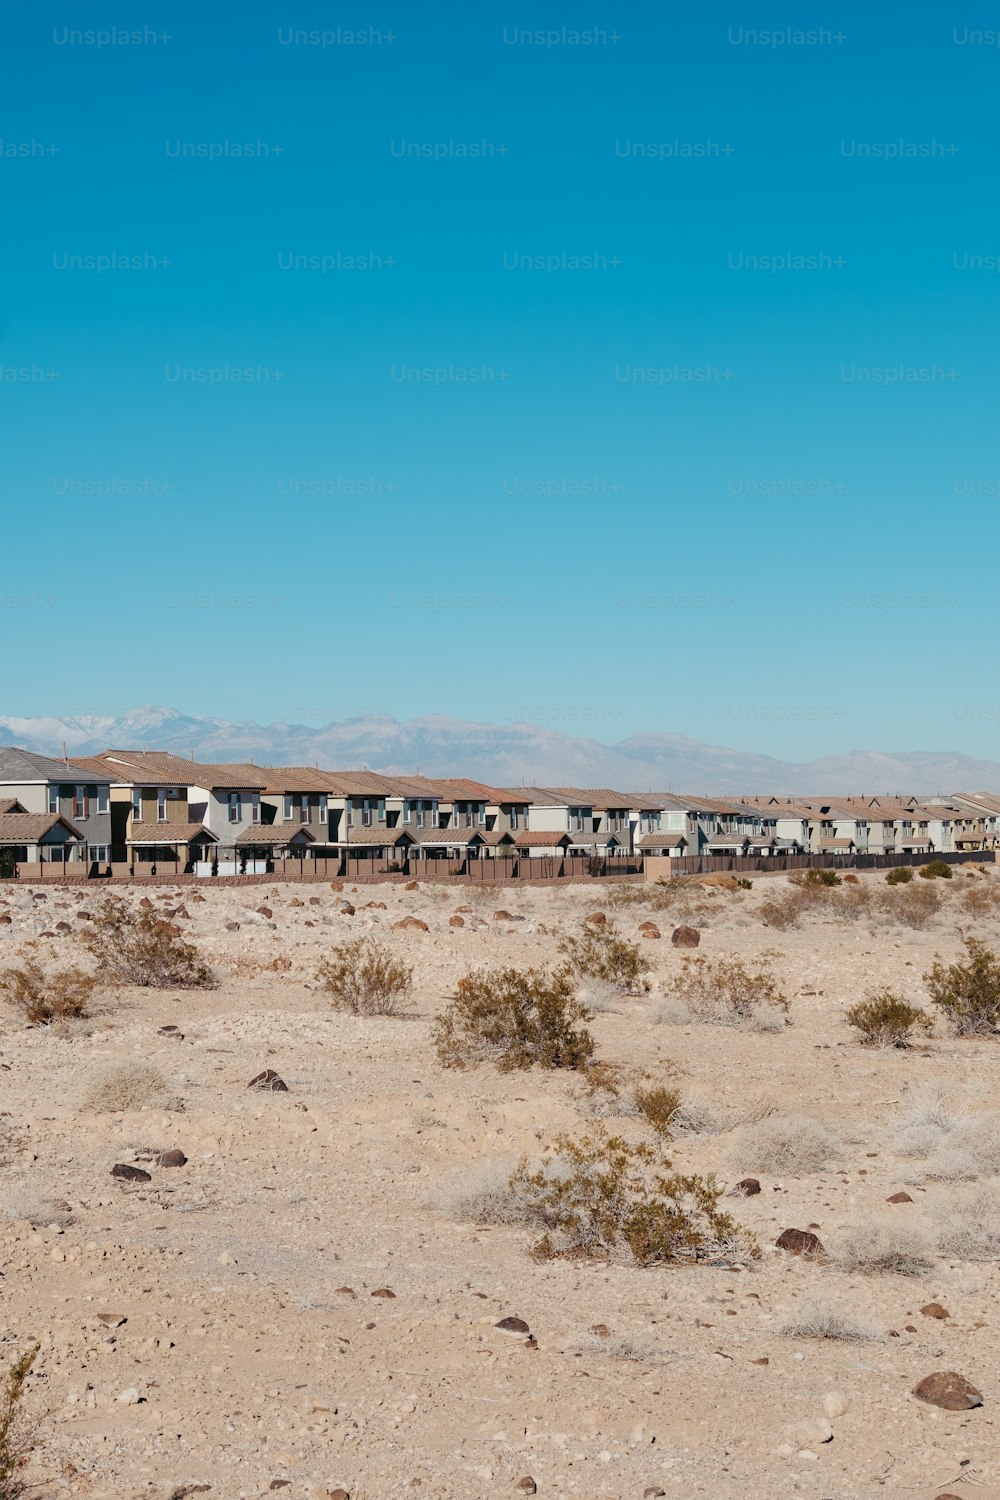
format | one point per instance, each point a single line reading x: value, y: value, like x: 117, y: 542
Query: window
x: 102, y: 799
x: 675, y: 820
x: 79, y: 802
x: 255, y: 807
x: 304, y: 808
x: 235, y: 808
x: 161, y: 804
x: 137, y: 806
x: 98, y: 853
x: 515, y: 818
x: 482, y: 812
x: 286, y: 808
x: 324, y: 806
x: 407, y: 807
x: 367, y: 815
x: 381, y: 810
x: 53, y: 799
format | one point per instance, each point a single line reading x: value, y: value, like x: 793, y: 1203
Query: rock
x: 130, y: 1396
x: 411, y: 885
x: 5, y: 919
x: 314, y: 901
x: 46, y: 933
x: 799, y: 1242
x: 505, y: 916
x: 596, y: 919
x: 264, y: 911
x: 527, y: 1485
x: 411, y: 923
x: 182, y: 911
x: 268, y: 1082
x: 111, y: 1320
x: 280, y: 1484
x: 650, y: 930
x: 685, y: 937
x: 748, y: 1187
x: 935, y: 1310
x: 146, y: 904
x: 338, y: 1494
x: 899, y: 1198
x: 173, y: 1032
x: 949, y: 1390
x: 60, y: 926
x: 808, y: 1434
x: 834, y: 1404
x: 762, y: 1361
x: 383, y: 1291
x: 601, y: 1330
x: 232, y: 926
x: 512, y: 1325
x: 84, y: 916
x: 375, y: 906
x: 464, y: 908
x: 129, y: 1174
x: 456, y: 921
x: 294, y: 902
x: 346, y: 909
x: 173, y: 1158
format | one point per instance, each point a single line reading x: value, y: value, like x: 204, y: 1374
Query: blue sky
x: 527, y: 425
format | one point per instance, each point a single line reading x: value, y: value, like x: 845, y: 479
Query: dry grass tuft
x: 827, y: 1320
x: 481, y: 1194
x: 971, y: 1230
x: 782, y: 1145
x: 884, y: 1245
x: 127, y: 1086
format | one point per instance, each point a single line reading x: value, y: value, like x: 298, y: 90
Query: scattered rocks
x: 650, y: 930
x: 512, y: 1325
x: 748, y: 1187
x: 411, y: 924
x: 900, y: 1197
x: 268, y: 1082
x: 935, y: 1310
x: 174, y: 1158
x: 384, y: 1291
x: 799, y: 1242
x: 685, y: 937
x: 127, y: 1173
x: 949, y: 1390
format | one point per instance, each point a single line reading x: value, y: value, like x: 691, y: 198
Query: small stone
x: 347, y: 1291
x: 649, y: 930
x: 949, y: 1390
x: 899, y: 1198
x: 808, y: 1434
x: 935, y: 1310
x: 505, y: 916
x: 268, y: 1082
x: 411, y: 885
x: 294, y: 902
x: 265, y: 911
x: 652, y: 1492
x: 596, y: 919
x: 346, y: 909
x: 130, y: 1396
x: 314, y: 901
x: 746, y: 1188
x: 762, y: 1361
x: 834, y: 1404
x: 413, y: 923
x: 280, y: 1484
x: 601, y: 1330
x: 456, y: 921
x: 174, y: 1158
x: 111, y: 1320
x: 338, y: 1494
x: 383, y: 1291
x: 527, y: 1485
x: 512, y: 1325
x: 685, y: 937
x: 232, y: 926
x: 129, y: 1174
x: 799, y: 1242
x: 60, y: 926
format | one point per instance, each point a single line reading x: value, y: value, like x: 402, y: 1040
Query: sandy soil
x: 221, y: 1325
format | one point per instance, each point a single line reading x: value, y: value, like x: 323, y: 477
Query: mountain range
x: 503, y: 754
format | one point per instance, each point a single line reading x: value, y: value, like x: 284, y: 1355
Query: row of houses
x: 145, y: 808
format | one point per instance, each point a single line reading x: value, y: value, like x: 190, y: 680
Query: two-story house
x: 152, y: 822
x: 61, y: 789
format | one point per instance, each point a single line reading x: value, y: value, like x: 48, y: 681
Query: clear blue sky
x: 683, y: 591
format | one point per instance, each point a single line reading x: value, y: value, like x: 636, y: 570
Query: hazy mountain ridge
x: 504, y: 754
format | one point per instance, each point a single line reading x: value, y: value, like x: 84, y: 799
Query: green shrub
x: 43, y: 998
x: 600, y: 952
x: 603, y: 1197
x: 886, y: 1020
x: 937, y: 869
x: 901, y: 875
x: 968, y: 993
x: 729, y: 991
x: 137, y: 946
x: 814, y: 876
x: 364, y: 978
x: 15, y: 1434
x: 658, y: 1104
x: 744, y: 884
x: 515, y: 1018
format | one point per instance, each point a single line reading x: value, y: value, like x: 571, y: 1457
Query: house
x: 37, y: 838
x: 60, y: 789
x: 593, y: 827
x: 294, y: 799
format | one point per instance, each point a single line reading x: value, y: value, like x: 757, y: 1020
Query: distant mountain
x: 505, y: 754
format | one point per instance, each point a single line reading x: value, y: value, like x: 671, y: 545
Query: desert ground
x: 305, y: 1306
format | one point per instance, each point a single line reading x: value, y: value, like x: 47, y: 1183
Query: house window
x: 136, y: 806
x: 324, y: 805
x: 675, y: 820
x: 102, y: 799
x: 53, y: 799
x: 235, y: 808
x: 80, y: 802
x: 406, y: 811
x: 286, y: 808
x: 515, y: 818
x: 367, y: 815
x: 304, y: 809
x: 161, y: 804
x: 482, y: 812
x: 98, y: 853
x: 255, y: 807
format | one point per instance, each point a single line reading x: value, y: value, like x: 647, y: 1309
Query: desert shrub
x: 887, y: 1020
x: 43, y: 998
x: 981, y: 899
x: 968, y: 993
x: 729, y: 992
x: 785, y: 910
x: 814, y: 877
x: 889, y: 1245
x: 601, y: 953
x: 603, y: 1197
x: 954, y: 1144
x: 15, y: 1432
x: 138, y: 946
x: 825, y: 1320
x: 936, y: 869
x: 364, y: 978
x: 744, y: 884
x: 131, y: 1085
x: 658, y: 1104
x: 971, y: 1229
x: 481, y: 1194
x: 901, y: 875
x: 514, y: 1018
x: 782, y: 1145
x: 912, y: 905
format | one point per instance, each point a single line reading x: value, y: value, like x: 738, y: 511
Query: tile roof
x: 836, y: 844
x: 538, y: 838
x: 274, y: 834
x: 28, y: 828
x: 11, y: 805
x: 666, y: 840
x: 384, y: 838
x: 166, y: 834
x: 281, y: 779
x: 453, y: 836
x: 596, y: 796
x: 24, y: 765
x: 161, y: 768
